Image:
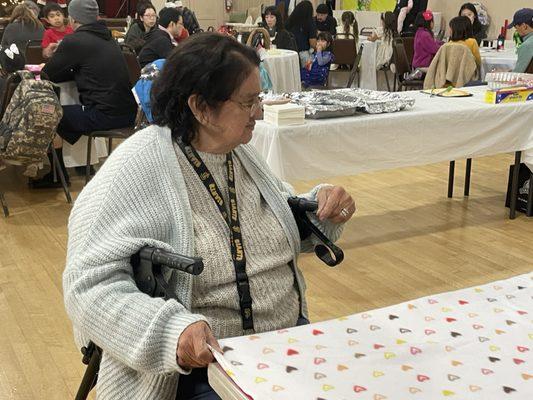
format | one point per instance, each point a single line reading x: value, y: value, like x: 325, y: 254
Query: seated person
x: 11, y: 60
x: 23, y: 26
x: 523, y: 23
x: 384, y: 50
x: 349, y: 25
x: 189, y: 20
x: 478, y: 30
x: 316, y: 71
x: 461, y: 33
x: 325, y: 22
x: 425, y: 45
x: 93, y: 60
x: 160, y: 42
x: 53, y: 14
x: 279, y: 36
x: 145, y: 22
x: 143, y: 87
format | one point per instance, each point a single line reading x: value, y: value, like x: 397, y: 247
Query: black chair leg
x: 451, y: 176
x: 59, y: 171
x: 514, y: 185
x: 467, y: 176
x: 4, y: 205
x: 88, y: 166
x: 530, y: 197
x: 109, y: 146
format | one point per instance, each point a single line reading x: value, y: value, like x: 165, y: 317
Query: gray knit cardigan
x: 139, y: 198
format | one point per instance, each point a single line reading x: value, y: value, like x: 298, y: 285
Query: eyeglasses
x: 250, y: 107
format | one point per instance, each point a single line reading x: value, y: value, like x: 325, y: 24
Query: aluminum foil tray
x: 346, y: 102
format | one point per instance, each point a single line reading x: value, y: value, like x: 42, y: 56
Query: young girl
x: 461, y: 33
x: 478, y: 30
x: 384, y: 50
x: 425, y: 46
x: 349, y: 25
x: 316, y: 71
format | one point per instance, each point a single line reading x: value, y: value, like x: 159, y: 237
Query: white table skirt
x: 434, y: 130
x: 283, y: 66
x: 370, y: 77
x: 76, y: 155
x: 492, y: 60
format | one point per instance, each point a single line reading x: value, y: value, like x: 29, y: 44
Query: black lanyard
x: 232, y: 219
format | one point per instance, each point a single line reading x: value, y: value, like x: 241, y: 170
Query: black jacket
x: 94, y: 60
x: 285, y: 40
x: 158, y: 45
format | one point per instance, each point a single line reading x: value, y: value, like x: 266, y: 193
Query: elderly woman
x: 172, y: 186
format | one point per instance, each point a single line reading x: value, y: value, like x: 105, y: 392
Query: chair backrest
x: 453, y: 64
x: 366, y: 31
x: 344, y: 51
x: 12, y: 81
x: 34, y: 52
x: 252, y: 40
x: 409, y: 46
x: 529, y: 69
x: 399, y: 57
x: 134, y: 69
x: 115, y: 22
x: 342, y: 35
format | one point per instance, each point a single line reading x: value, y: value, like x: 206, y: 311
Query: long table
x: 472, y: 343
x: 436, y: 129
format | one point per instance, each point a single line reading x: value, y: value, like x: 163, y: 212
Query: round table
x: 493, y: 60
x: 283, y: 66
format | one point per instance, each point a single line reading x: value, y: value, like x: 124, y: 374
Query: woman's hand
x: 192, y: 351
x: 335, y: 204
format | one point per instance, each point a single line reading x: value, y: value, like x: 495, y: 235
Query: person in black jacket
x: 325, y: 22
x: 160, y: 42
x: 279, y: 36
x: 95, y: 62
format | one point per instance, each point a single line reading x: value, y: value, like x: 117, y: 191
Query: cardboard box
x: 509, y: 95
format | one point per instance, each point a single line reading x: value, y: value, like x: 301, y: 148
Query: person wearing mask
x: 425, y: 45
x: 470, y: 11
x: 279, y: 36
x: 523, y: 23
x: 145, y: 23
x: 325, y: 22
x: 23, y: 26
x: 90, y: 57
x: 160, y: 42
x: 302, y: 25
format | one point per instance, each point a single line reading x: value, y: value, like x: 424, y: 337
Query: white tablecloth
x: 76, y: 155
x: 370, y: 78
x: 434, y: 130
x: 283, y: 66
x: 473, y: 343
x: 497, y: 60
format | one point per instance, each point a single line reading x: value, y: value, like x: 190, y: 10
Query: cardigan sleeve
x: 124, y: 208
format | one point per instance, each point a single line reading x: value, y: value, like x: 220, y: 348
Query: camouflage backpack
x: 29, y: 123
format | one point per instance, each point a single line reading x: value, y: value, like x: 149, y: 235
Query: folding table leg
x: 514, y: 185
x: 4, y: 204
x: 530, y: 197
x: 467, y: 176
x: 450, y: 179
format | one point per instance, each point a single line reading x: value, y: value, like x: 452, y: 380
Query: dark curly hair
x: 210, y: 65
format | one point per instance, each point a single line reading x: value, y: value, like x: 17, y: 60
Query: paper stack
x: 284, y: 114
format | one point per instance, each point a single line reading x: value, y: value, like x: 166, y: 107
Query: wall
x: 499, y: 11
x: 208, y: 12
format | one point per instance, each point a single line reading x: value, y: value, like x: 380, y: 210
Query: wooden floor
x: 407, y: 240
